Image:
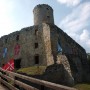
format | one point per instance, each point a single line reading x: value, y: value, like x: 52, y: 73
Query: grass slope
x: 39, y: 70
x: 34, y: 70
x: 82, y: 86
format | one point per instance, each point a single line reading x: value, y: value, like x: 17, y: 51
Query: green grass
x: 39, y: 70
x: 82, y: 86
x: 34, y: 70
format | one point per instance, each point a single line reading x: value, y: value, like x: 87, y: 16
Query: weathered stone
x: 62, y: 59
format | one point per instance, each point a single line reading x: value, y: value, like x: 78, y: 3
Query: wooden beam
x: 21, y: 84
x: 40, y: 82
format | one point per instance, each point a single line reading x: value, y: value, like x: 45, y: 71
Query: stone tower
x: 44, y: 44
x: 43, y: 14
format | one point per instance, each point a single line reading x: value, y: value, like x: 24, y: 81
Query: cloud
x: 85, y: 36
x: 69, y: 2
x: 77, y: 19
x: 5, y: 20
x: 76, y: 23
x: 85, y: 39
x: 14, y: 15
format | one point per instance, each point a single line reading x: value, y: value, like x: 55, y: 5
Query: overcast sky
x: 72, y: 16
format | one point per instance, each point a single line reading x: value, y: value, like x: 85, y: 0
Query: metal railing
x: 8, y: 79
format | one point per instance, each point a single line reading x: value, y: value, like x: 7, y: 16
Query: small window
x: 36, y: 31
x: 36, y: 45
x: 17, y: 63
x: 36, y: 59
x: 3, y: 65
x: 47, y: 8
x: 5, y: 40
x: 48, y: 16
x: 17, y: 38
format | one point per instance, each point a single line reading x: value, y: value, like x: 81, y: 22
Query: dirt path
x: 3, y: 87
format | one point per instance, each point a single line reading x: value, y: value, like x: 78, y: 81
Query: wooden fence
x: 8, y: 79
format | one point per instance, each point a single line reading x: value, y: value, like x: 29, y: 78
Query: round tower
x: 43, y: 13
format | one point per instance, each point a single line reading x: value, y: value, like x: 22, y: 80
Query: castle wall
x: 48, y: 44
x: 75, y: 54
x: 54, y: 42
x: 62, y: 59
x: 25, y: 46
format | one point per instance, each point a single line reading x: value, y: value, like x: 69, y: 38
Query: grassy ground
x: 34, y: 70
x: 82, y: 86
x: 39, y: 70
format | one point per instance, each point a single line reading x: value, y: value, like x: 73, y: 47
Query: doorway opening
x: 17, y: 63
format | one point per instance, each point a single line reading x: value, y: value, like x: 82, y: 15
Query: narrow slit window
x: 36, y: 59
x: 48, y: 16
x: 36, y: 31
x: 36, y: 45
x: 5, y: 40
x: 17, y: 38
x: 47, y: 8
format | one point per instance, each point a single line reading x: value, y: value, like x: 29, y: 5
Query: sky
x: 72, y: 16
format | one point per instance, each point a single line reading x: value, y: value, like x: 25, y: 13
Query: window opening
x: 17, y: 38
x: 36, y: 31
x: 36, y: 45
x: 36, y: 59
x: 17, y: 63
x: 48, y: 16
x: 47, y: 8
x: 5, y: 40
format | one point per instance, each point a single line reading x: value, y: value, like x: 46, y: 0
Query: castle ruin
x: 44, y: 44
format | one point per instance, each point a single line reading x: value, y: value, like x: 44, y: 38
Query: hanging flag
x: 17, y: 49
x: 9, y: 65
x: 4, y: 52
x: 59, y: 47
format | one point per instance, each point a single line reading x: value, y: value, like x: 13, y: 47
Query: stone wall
x: 42, y: 41
x: 27, y: 50
x: 62, y: 59
x: 76, y: 55
x: 47, y: 44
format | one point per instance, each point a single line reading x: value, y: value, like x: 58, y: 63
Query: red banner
x: 17, y: 49
x: 9, y: 65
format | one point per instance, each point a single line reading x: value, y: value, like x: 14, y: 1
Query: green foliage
x: 34, y: 70
x: 82, y: 86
